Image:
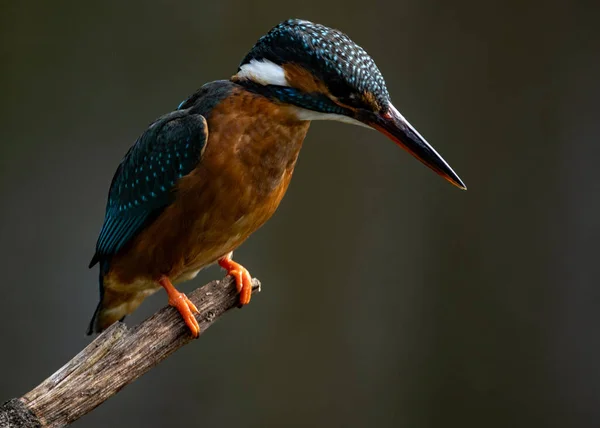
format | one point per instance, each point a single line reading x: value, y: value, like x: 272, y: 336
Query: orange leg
x: 242, y: 277
x: 184, y: 305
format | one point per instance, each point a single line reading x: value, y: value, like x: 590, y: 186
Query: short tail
x: 104, y: 317
x: 110, y: 309
x: 93, y: 326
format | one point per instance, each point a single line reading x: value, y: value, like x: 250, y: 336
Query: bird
x: 204, y: 177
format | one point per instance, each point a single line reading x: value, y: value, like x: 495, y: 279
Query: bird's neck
x: 263, y: 135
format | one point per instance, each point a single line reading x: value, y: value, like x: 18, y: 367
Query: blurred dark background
x: 390, y: 298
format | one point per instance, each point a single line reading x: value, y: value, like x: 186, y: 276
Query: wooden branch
x: 116, y: 358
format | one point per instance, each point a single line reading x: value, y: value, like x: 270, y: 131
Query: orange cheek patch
x: 302, y: 79
x: 370, y: 100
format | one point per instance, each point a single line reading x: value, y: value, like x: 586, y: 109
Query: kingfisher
x: 201, y: 179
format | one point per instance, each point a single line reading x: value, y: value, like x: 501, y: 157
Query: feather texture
x: 144, y: 182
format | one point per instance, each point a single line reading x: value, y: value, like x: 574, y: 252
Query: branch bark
x: 116, y: 358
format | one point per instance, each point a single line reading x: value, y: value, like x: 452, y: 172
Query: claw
x: 243, y: 280
x: 183, y: 304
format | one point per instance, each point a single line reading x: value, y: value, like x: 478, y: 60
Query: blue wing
x: 143, y: 184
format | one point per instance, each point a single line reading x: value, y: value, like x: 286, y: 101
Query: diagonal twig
x: 113, y: 360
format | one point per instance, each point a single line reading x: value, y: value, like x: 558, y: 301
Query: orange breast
x: 246, y: 168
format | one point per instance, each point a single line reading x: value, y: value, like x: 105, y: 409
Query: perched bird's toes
x: 191, y: 305
x: 184, y: 305
x: 243, y: 284
x: 238, y: 276
x: 187, y: 309
x: 243, y: 280
x: 193, y: 325
x: 246, y: 288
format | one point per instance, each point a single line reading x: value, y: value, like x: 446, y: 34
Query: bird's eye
x: 355, y: 100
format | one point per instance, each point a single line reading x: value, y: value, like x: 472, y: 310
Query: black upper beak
x: 397, y: 128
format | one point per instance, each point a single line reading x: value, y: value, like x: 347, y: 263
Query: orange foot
x: 243, y: 280
x: 184, y: 305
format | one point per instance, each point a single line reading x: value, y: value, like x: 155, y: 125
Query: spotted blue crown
x: 329, y: 54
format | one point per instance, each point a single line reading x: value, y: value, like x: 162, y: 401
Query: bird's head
x: 324, y: 75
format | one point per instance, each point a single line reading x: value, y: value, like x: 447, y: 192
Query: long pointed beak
x: 397, y: 128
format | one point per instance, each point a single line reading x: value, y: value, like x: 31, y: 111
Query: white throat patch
x: 304, y: 114
x: 263, y: 72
